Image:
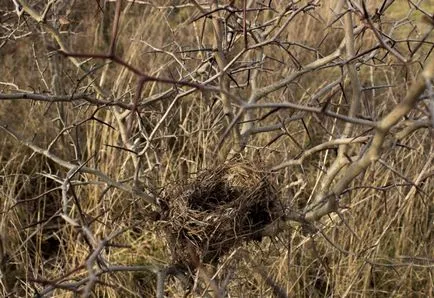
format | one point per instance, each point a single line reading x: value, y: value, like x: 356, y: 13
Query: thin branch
x: 84, y: 169
x: 373, y: 152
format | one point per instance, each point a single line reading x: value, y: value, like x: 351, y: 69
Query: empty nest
x: 219, y: 210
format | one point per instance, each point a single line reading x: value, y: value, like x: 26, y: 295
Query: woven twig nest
x: 219, y: 210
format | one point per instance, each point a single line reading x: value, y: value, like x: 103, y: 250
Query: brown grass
x: 380, y: 247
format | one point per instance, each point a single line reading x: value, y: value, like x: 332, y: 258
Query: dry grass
x: 380, y: 247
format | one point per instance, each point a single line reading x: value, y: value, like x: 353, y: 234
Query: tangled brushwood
x: 219, y: 210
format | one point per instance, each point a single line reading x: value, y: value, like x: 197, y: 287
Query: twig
x: 83, y: 169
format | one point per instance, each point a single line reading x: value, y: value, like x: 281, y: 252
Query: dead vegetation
x: 175, y: 148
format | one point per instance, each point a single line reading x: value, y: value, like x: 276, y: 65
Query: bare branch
x: 84, y: 169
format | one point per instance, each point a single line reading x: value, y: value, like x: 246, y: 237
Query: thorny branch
x: 233, y: 74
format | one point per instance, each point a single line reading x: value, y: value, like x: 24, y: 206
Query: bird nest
x: 219, y: 210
